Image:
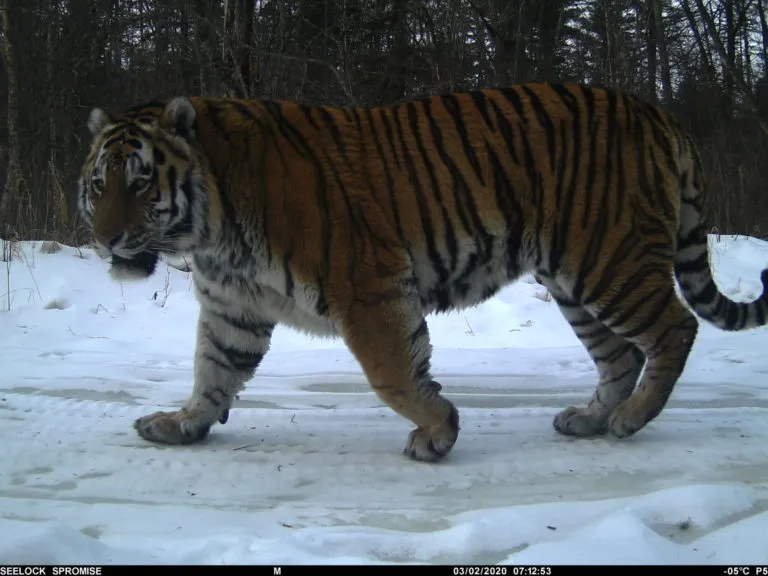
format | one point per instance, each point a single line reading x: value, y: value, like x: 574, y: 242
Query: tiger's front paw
x: 180, y: 427
x: 431, y: 445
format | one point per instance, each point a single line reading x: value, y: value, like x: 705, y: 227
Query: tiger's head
x: 142, y: 189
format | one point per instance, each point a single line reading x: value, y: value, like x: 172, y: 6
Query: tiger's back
x: 359, y: 222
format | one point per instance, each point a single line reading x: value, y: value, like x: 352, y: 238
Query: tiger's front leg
x: 230, y: 346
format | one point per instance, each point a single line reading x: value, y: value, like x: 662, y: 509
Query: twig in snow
x: 86, y: 335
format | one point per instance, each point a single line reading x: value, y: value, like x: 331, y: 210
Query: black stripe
x: 244, y: 110
x: 463, y: 197
x: 333, y: 128
x: 267, y: 143
x: 214, y: 112
x: 512, y: 212
x: 450, y: 235
x: 612, y: 142
x: 211, y: 399
x: 217, y: 362
x: 172, y: 177
x: 629, y: 287
x: 242, y: 360
x: 204, y: 292
x: 507, y: 132
x: 303, y: 148
x: 700, y: 264
x: 584, y: 321
x: 592, y: 346
x: 732, y: 316
x: 258, y: 329
x: 420, y: 332
x: 288, y: 275
x: 566, y: 218
x: 589, y: 185
x: 387, y: 175
x: 721, y: 303
x: 353, y: 227
x: 661, y: 134
x: 759, y: 312
x: 185, y: 226
x: 426, y: 221
x: 689, y: 327
x: 384, y: 113
x: 287, y: 130
x: 514, y: 98
x: 321, y: 306
x: 546, y: 122
x: 619, y: 377
x: 453, y: 107
x: 697, y: 236
x: 611, y: 356
x: 158, y: 155
x: 421, y: 371
x: 481, y: 103
x: 649, y: 317
x: 307, y: 111
x: 535, y: 188
x: 113, y: 134
x: 593, y: 333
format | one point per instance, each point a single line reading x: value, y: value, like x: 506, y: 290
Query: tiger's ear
x: 179, y: 116
x: 98, y: 120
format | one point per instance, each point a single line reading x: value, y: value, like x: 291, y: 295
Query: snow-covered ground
x: 309, y: 467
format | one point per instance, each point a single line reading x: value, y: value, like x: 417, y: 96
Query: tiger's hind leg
x: 644, y: 309
x: 391, y: 342
x: 618, y: 364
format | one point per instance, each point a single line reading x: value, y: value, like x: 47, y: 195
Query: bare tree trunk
x: 238, y: 29
x: 705, y: 56
x: 764, y: 30
x: 730, y: 52
x: 747, y: 57
x: 734, y: 77
x: 661, y: 43
x: 649, y: 15
x: 550, y: 21
x: 11, y: 194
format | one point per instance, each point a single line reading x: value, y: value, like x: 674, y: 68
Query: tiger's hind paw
x: 628, y: 418
x: 574, y: 421
x: 174, y: 428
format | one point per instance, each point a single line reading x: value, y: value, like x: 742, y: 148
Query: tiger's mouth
x: 136, y: 267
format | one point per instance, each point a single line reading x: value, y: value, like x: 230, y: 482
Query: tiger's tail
x: 692, y: 266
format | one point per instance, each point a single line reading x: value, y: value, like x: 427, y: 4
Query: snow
x: 309, y: 467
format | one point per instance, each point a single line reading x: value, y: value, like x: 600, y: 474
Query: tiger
x: 359, y: 222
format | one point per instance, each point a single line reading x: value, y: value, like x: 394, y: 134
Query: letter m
x: 277, y: 571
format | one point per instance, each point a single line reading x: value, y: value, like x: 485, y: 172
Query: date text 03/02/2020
x: 502, y: 571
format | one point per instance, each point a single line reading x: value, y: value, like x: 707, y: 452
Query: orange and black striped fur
x: 359, y: 222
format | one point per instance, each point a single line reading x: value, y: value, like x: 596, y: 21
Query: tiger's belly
x: 298, y: 312
x: 263, y: 295
x: 472, y: 273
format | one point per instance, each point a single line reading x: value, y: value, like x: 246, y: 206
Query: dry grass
x: 50, y: 247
